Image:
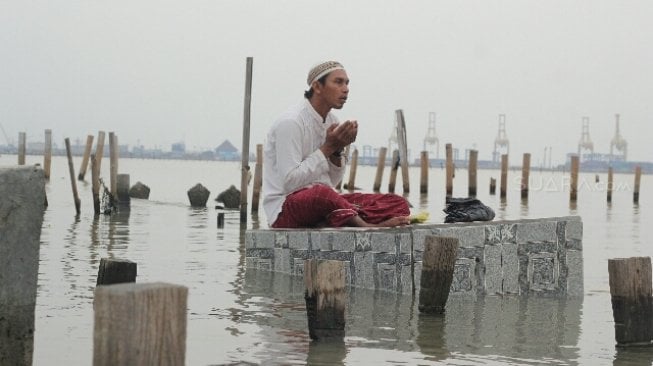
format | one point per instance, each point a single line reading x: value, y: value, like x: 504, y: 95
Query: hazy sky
x: 158, y: 72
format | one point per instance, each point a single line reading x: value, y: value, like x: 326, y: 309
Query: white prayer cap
x: 322, y: 69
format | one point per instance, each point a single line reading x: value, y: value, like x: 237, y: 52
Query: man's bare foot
x: 392, y: 222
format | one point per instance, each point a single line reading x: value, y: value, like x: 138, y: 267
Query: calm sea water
x: 240, y: 316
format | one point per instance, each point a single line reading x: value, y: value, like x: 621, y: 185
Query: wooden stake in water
x: 220, y: 220
x: 113, y: 164
x: 87, y: 153
x: 379, y: 169
x: 47, y: 153
x: 449, y: 169
x: 244, y: 177
x: 99, y: 152
x: 394, y: 166
x: 438, y: 264
x: 610, y: 183
x: 638, y: 179
x: 630, y: 290
x: 114, y: 271
x: 503, y: 189
x: 573, y: 189
x: 493, y: 186
x: 258, y: 177
x: 352, y: 171
x: 472, y: 167
x: 21, y: 147
x: 140, y: 324
x: 525, y: 173
x: 73, y: 182
x: 403, y: 149
x: 95, y: 184
x: 424, y: 173
x: 325, y: 298
x: 122, y: 191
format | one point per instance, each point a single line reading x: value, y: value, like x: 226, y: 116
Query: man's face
x: 335, y: 89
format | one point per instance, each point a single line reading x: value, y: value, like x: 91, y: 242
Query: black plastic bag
x: 467, y: 210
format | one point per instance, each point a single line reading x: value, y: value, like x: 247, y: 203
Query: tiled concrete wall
x: 535, y: 256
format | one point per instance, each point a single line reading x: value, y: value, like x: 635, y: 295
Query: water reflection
x: 633, y: 356
x: 514, y: 327
x: 523, y: 207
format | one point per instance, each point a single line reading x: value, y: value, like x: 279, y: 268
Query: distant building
x: 227, y: 151
x: 178, y: 148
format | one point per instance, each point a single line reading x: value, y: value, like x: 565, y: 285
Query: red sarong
x: 321, y: 205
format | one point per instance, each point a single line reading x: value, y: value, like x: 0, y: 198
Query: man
x: 303, y: 161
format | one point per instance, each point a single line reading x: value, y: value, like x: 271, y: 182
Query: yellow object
x: 419, y: 218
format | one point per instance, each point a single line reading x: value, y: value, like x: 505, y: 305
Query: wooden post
x: 325, y: 298
x: 394, y: 165
x: 630, y: 290
x: 140, y: 324
x: 449, y: 170
x: 503, y: 189
x: 99, y: 152
x: 352, y: 171
x: 379, y: 169
x: 122, y: 189
x: 638, y: 179
x: 114, y: 271
x: 258, y: 177
x: 424, y: 173
x: 493, y: 186
x: 95, y: 184
x: 472, y: 167
x: 525, y: 173
x: 245, y: 156
x: 438, y: 262
x: 113, y: 164
x: 87, y: 153
x: 47, y: 153
x: 71, y: 169
x: 610, y: 183
x: 403, y: 149
x: 23, y: 192
x: 573, y: 189
x: 220, y: 220
x: 21, y: 147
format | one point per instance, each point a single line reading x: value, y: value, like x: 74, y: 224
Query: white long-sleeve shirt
x: 292, y: 158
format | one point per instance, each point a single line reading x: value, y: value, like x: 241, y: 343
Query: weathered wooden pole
x: 73, y: 182
x: 424, y: 172
x: 403, y: 149
x: 503, y: 189
x: 573, y: 189
x: 87, y: 153
x: 610, y: 184
x: 638, y: 179
x: 525, y: 173
x: 47, y: 153
x: 325, y: 298
x: 22, y: 209
x: 113, y: 164
x: 394, y: 166
x: 630, y: 289
x: 140, y: 324
x: 220, y: 220
x: 472, y: 168
x: 438, y: 262
x: 493, y: 186
x: 449, y: 169
x: 352, y: 171
x: 122, y: 190
x: 258, y: 177
x: 112, y: 271
x: 21, y: 147
x: 379, y: 169
x: 95, y: 184
x: 245, y: 156
x: 99, y: 152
